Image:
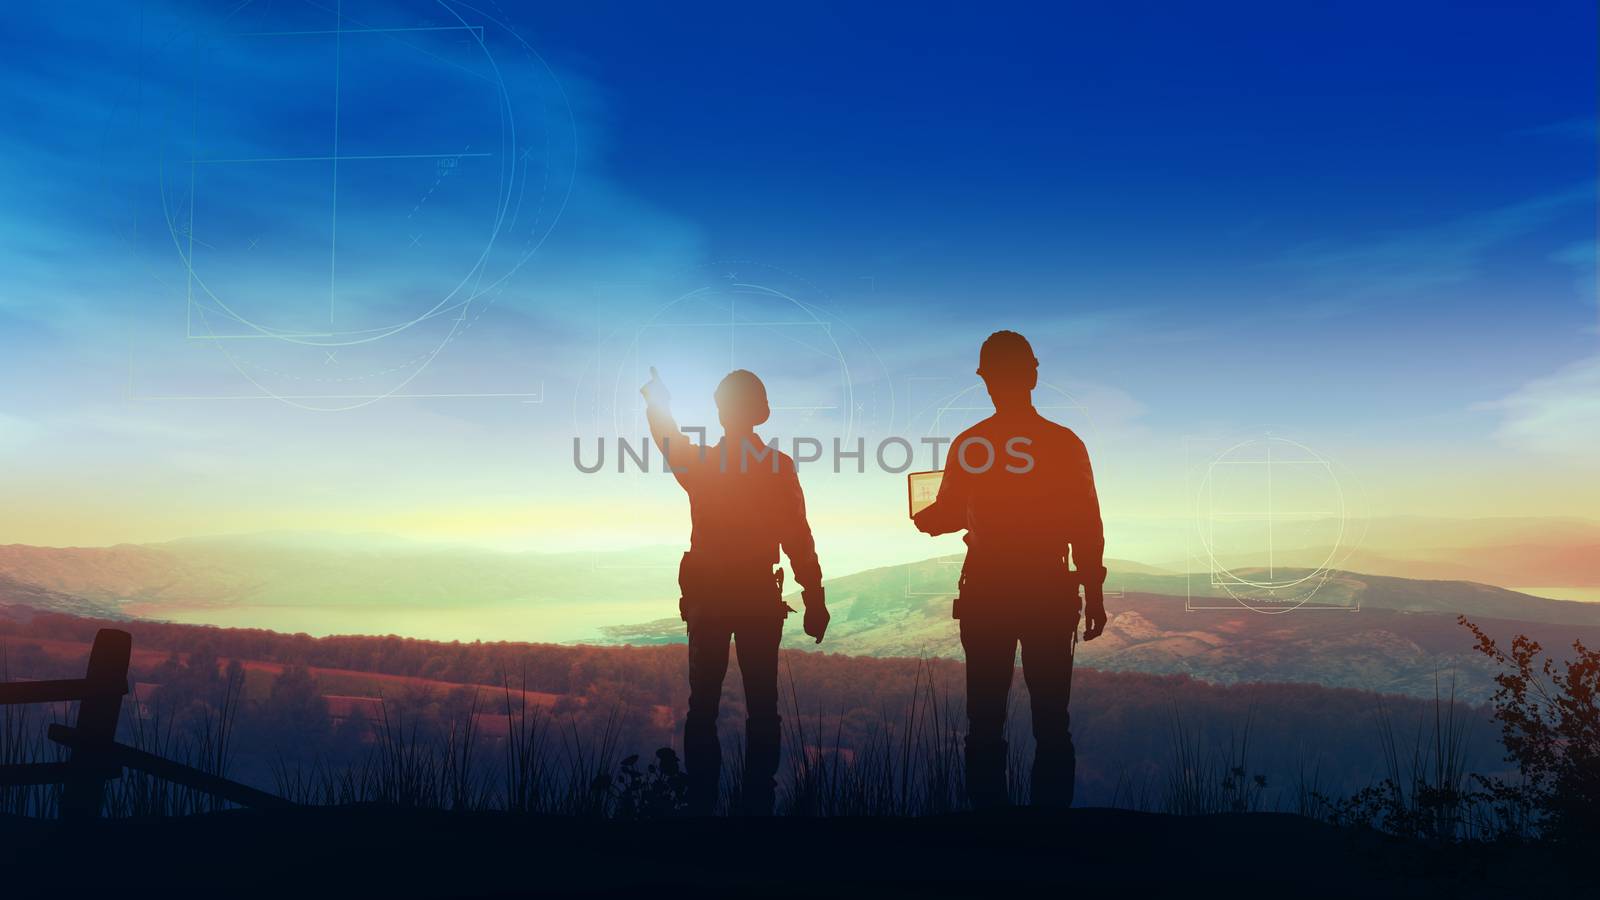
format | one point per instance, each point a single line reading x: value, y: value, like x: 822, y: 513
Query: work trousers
x: 1047, y: 639
x: 756, y: 639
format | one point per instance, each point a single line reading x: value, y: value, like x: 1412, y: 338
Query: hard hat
x: 1006, y: 352
x: 742, y: 398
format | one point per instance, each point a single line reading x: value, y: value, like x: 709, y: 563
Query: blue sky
x: 1369, y: 226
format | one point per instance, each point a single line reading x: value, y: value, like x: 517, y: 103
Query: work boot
x: 702, y: 762
x: 757, y: 795
x: 986, y: 774
x: 1054, y: 770
x: 762, y: 747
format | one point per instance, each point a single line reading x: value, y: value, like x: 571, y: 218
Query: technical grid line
x: 439, y: 178
x: 1216, y: 580
x: 1271, y: 462
x: 337, y: 158
x: 636, y: 407
x: 449, y: 62
x: 479, y: 290
x: 523, y: 396
x: 333, y: 237
x: 379, y: 30
x: 138, y: 114
x: 1318, y: 513
x: 751, y: 324
x: 732, y: 326
x: 258, y: 337
x: 1270, y: 559
x: 194, y: 150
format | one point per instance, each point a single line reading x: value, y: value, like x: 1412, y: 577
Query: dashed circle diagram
x: 337, y: 192
x: 1272, y: 519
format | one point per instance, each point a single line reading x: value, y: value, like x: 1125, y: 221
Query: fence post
x: 97, y: 723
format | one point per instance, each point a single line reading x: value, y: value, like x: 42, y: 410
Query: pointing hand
x: 654, y: 391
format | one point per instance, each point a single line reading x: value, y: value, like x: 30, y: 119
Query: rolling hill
x: 1393, y: 634
x: 1506, y: 551
x: 304, y: 569
x: 1390, y: 633
x: 18, y: 599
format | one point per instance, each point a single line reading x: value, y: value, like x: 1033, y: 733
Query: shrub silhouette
x: 659, y: 791
x: 1550, y: 725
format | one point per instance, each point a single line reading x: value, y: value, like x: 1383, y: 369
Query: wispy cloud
x: 16, y: 432
x: 1581, y: 127
x: 1405, y: 265
x: 98, y: 186
x: 1582, y: 258
x: 1559, y: 413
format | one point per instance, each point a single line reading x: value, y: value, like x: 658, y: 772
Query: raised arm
x: 676, y: 447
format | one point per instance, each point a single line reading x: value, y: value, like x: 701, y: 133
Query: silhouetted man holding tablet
x: 744, y: 504
x: 1022, y: 488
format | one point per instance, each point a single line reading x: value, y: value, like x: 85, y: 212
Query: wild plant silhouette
x: 1549, y: 719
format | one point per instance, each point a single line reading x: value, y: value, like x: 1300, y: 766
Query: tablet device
x: 923, y: 489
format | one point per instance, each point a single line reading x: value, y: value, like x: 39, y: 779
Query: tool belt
x: 1016, y: 588
x: 715, y: 587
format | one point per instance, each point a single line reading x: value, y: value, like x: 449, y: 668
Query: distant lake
x: 1582, y: 594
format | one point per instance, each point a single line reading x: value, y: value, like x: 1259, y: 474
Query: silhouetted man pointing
x: 744, y: 504
x: 1022, y: 488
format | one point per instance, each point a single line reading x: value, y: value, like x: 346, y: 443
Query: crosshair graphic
x: 954, y: 413
x: 1272, y: 521
x: 823, y: 378
x: 344, y: 188
x: 825, y: 381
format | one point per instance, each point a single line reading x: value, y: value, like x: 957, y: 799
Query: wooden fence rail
x: 94, y: 755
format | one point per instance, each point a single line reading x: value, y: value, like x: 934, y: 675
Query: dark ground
x: 373, y: 852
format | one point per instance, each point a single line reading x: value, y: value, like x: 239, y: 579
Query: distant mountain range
x: 289, y: 569
x: 339, y: 584
x: 18, y: 599
x: 1392, y: 634
x: 1403, y: 633
x: 297, y: 569
x: 1508, y: 551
